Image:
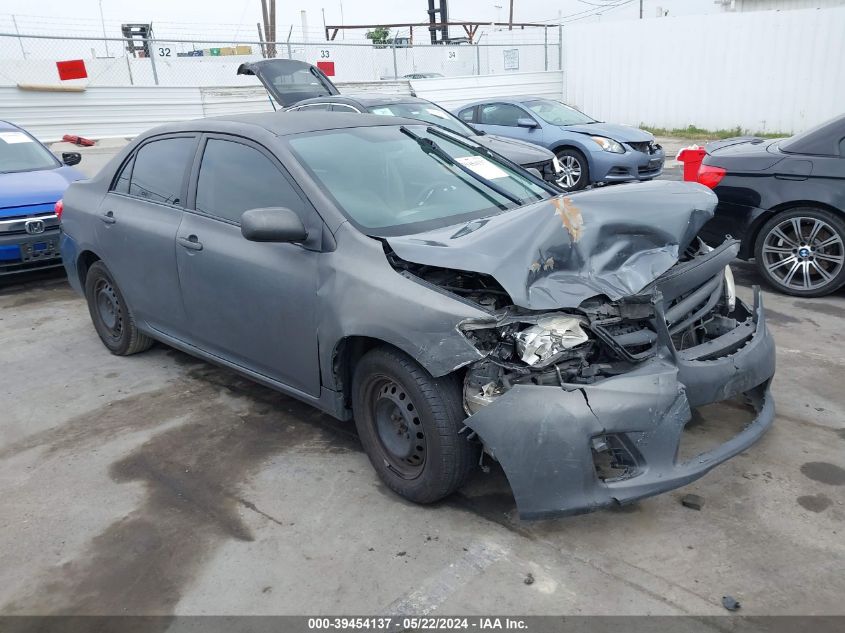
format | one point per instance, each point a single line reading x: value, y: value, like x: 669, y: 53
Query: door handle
x: 191, y: 242
x: 108, y: 217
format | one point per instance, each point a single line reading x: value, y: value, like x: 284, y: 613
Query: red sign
x: 327, y: 68
x: 73, y: 69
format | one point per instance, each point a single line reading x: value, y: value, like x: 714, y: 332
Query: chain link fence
x: 39, y: 60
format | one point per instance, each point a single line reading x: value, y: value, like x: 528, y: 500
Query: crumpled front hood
x: 612, y: 241
x: 519, y: 152
x: 621, y: 133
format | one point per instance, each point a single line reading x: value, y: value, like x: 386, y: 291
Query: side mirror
x: 526, y: 122
x: 275, y: 224
x: 71, y: 158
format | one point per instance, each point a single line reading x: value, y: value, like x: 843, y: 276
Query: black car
x: 300, y: 87
x: 785, y: 200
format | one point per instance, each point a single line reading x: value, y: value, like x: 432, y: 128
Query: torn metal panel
x: 546, y: 438
x: 556, y: 253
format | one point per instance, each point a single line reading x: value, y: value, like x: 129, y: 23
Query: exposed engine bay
x: 599, y: 339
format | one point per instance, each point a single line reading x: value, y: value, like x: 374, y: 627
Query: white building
x: 777, y: 5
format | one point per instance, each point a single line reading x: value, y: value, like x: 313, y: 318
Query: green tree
x: 379, y: 36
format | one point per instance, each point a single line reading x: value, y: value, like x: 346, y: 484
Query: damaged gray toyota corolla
x: 449, y: 301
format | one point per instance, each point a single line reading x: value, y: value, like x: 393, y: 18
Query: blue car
x: 589, y: 151
x: 32, y: 182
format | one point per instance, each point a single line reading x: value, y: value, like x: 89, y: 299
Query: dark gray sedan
x: 455, y: 305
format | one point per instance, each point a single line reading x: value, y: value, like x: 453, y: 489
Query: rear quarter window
x: 159, y: 170
x: 467, y: 114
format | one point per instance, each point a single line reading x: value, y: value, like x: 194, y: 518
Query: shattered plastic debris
x: 696, y: 502
x: 571, y: 217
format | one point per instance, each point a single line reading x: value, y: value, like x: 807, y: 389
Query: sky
x: 237, y: 18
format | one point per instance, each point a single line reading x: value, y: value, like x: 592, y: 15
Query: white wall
x: 762, y: 71
x: 779, y: 5
x: 453, y: 92
x: 108, y: 111
x: 353, y: 62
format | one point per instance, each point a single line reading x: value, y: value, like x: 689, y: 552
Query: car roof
x: 823, y: 139
x: 517, y: 99
x: 284, y: 124
x: 364, y: 99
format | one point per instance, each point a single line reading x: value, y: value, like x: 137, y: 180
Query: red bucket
x: 691, y: 157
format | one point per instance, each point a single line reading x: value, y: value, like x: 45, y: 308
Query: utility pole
x: 641, y: 9
x: 269, y: 29
x: 510, y: 19
x: 261, y: 41
x: 20, y: 41
x: 103, y: 23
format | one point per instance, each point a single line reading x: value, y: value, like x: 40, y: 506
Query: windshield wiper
x: 454, y: 137
x: 430, y: 147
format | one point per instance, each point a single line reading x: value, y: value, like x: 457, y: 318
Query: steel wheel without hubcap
x: 108, y: 308
x: 570, y: 172
x: 398, y: 428
x: 803, y: 253
x: 410, y: 425
x: 111, y: 315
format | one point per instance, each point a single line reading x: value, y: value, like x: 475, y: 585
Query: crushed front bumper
x: 543, y: 436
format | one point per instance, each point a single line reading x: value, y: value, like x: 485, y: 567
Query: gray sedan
x: 589, y: 151
x: 454, y: 305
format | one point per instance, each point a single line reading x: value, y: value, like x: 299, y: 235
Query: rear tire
x: 801, y: 252
x: 111, y: 316
x: 576, y: 171
x: 409, y: 424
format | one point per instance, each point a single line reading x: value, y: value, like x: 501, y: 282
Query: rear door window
x: 501, y: 114
x: 235, y: 177
x: 342, y: 107
x: 313, y: 107
x: 159, y: 171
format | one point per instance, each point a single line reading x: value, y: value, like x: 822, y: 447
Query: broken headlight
x: 608, y: 144
x: 544, y: 343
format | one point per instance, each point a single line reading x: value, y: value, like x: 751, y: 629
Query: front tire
x: 409, y: 424
x: 801, y: 252
x: 111, y: 316
x: 576, y: 171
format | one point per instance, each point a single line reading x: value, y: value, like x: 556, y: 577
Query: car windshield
x: 395, y: 180
x: 20, y: 152
x: 427, y: 112
x: 557, y: 113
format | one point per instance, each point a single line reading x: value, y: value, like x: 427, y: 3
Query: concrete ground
x: 159, y: 484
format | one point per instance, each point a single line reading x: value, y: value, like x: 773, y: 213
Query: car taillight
x: 58, y: 209
x: 710, y: 176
